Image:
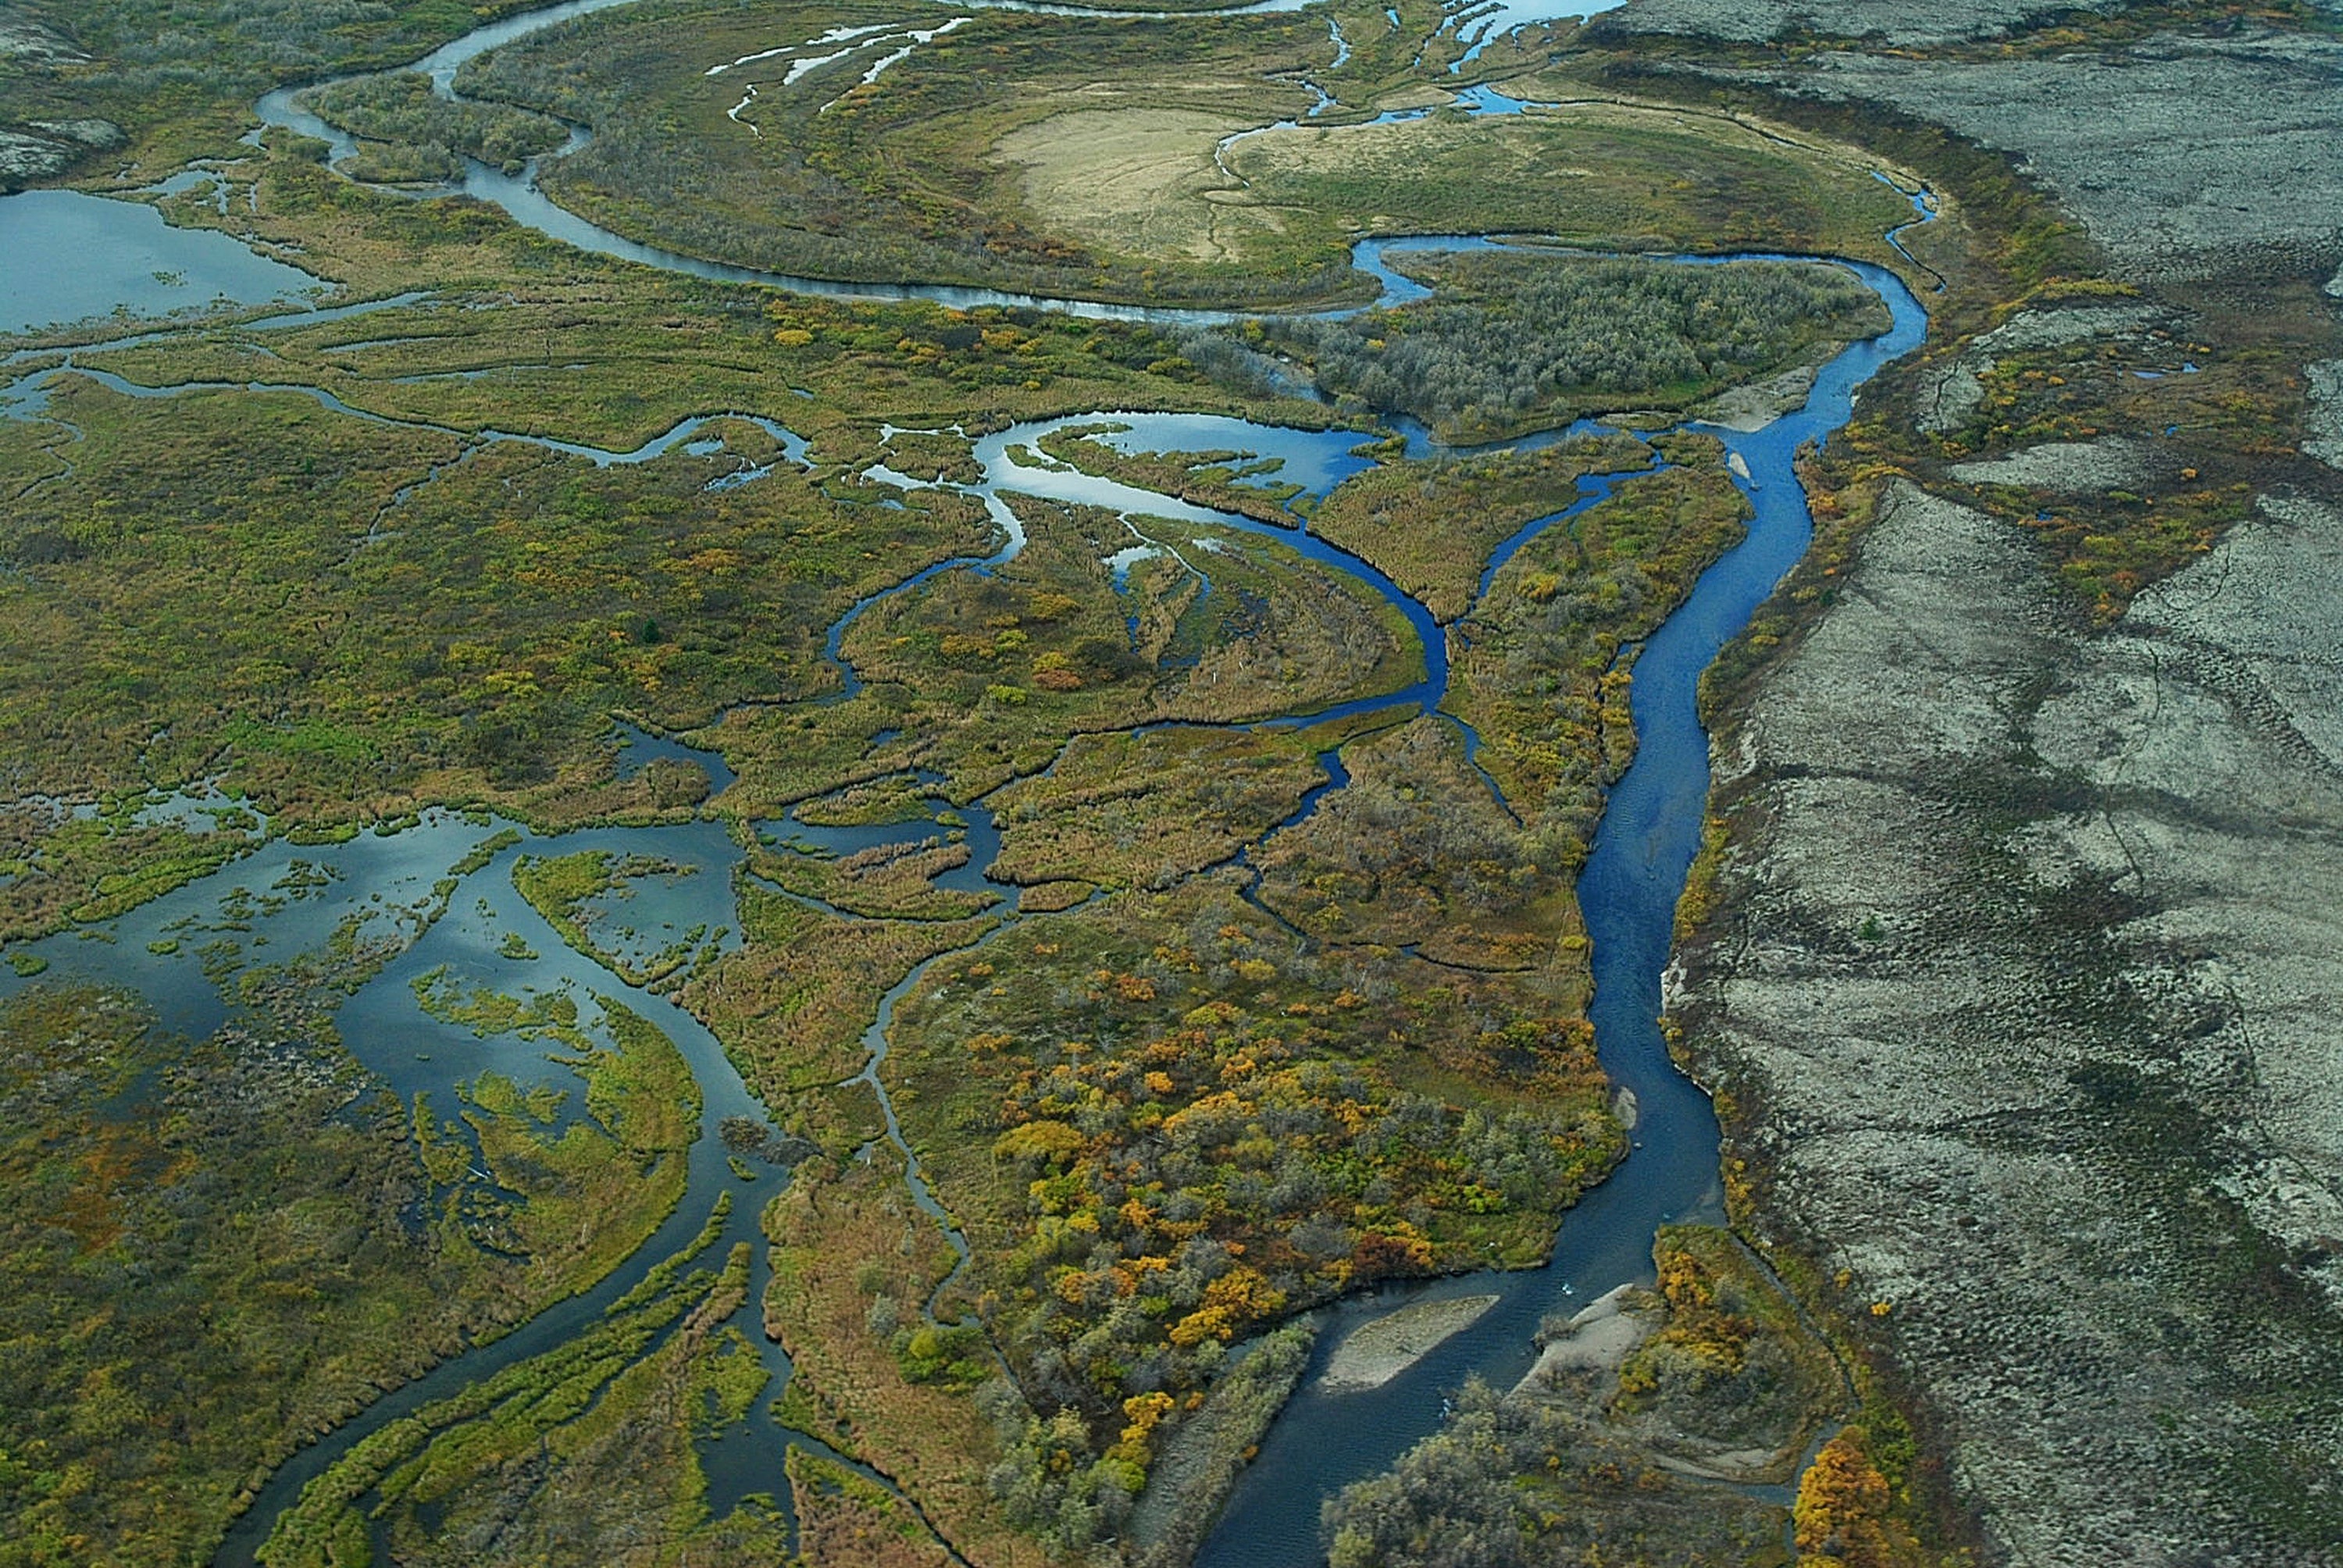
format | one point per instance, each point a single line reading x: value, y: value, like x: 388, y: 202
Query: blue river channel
x: 186, y: 952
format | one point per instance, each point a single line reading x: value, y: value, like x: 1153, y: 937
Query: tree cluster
x: 1516, y: 340
x: 1522, y: 1483
x: 1191, y: 1145
x: 400, y: 109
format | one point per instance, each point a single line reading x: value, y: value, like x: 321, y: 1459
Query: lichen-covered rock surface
x: 2185, y: 153
x: 2025, y: 985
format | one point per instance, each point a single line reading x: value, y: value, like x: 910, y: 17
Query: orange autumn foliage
x: 1845, y: 1515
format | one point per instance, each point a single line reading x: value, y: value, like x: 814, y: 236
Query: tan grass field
x: 1138, y: 179
x: 1144, y: 180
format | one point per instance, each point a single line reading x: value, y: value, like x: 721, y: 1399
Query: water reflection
x: 70, y: 257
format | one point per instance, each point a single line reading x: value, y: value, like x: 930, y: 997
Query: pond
x: 72, y: 256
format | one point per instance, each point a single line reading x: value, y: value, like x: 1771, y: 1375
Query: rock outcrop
x: 1902, y: 23
x: 2185, y: 155
x: 2025, y: 984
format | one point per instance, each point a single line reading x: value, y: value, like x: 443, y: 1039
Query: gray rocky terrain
x: 2026, y: 973
x: 2185, y: 155
x: 2182, y: 156
x: 2103, y: 464
x: 2326, y: 442
x: 1955, y: 389
x: 50, y: 147
x: 2030, y: 972
x: 43, y: 149
x: 1900, y: 23
x: 22, y: 39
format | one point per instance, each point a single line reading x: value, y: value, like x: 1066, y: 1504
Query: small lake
x: 100, y: 257
x: 1478, y: 26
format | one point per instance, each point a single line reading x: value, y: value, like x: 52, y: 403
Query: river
x: 295, y: 897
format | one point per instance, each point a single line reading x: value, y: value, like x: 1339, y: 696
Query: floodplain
x: 834, y: 875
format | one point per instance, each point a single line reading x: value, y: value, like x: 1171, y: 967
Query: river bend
x: 1635, y: 871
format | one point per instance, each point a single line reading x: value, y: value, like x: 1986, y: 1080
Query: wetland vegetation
x: 1136, y: 887
x: 1511, y: 341
x: 1047, y: 154
x: 222, y: 1247
x: 1248, y: 1090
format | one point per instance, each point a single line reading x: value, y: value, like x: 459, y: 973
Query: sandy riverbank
x: 1381, y: 1349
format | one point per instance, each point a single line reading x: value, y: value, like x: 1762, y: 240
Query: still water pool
x: 68, y: 255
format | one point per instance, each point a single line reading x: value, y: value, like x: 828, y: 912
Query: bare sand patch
x: 1380, y: 1349
x: 1597, y: 1341
x: 1202, y: 182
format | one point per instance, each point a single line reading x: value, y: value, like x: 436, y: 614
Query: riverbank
x: 2055, y: 1427
x: 2017, y: 795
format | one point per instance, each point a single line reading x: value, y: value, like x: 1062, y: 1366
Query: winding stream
x: 386, y: 882
x: 1641, y: 852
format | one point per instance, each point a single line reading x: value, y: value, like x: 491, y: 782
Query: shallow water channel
x: 184, y: 951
